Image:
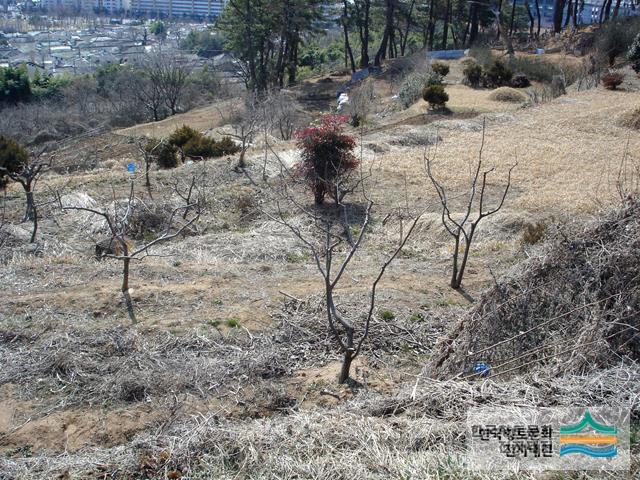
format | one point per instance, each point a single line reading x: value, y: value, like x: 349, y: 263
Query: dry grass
x: 567, y: 151
x: 202, y: 119
x: 213, y: 400
x: 418, y: 433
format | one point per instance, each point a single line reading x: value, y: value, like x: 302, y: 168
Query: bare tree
x: 333, y: 250
x: 463, y: 229
x: 121, y: 248
x: 148, y: 156
x: 27, y: 171
x: 246, y: 128
x: 162, y: 83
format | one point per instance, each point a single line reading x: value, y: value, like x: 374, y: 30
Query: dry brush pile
x: 574, y: 306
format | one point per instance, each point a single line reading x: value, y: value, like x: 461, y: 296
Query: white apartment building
x: 169, y: 8
x: 176, y: 8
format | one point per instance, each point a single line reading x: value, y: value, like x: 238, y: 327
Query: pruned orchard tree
x: 119, y: 247
x: 18, y: 165
x: 148, y: 149
x: 326, y: 236
x: 463, y: 228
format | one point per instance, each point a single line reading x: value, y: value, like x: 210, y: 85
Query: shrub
x: 520, y: 81
x: 441, y: 68
x: 534, y: 232
x: 534, y: 68
x: 327, y: 157
x: 164, y: 153
x: 630, y: 119
x: 181, y: 136
x: 634, y: 54
x: 498, y: 74
x: 199, y: 147
x: 435, y: 95
x: 482, y: 55
x: 507, y: 94
x: 12, y: 158
x: 413, y: 85
x: 205, y: 147
x: 614, y: 39
x: 387, y: 315
x: 558, y: 86
x: 472, y: 74
x: 612, y: 80
x: 225, y: 146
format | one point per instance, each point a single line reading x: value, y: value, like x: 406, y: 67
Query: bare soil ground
x: 231, y: 357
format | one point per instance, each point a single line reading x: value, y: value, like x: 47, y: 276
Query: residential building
x: 175, y: 8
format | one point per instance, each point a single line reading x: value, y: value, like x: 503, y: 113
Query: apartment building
x: 175, y: 8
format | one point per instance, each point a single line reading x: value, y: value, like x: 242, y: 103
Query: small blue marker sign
x: 131, y: 168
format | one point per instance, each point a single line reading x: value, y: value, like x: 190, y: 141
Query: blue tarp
x: 445, y: 54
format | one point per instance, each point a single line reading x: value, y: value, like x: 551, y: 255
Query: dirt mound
x: 574, y: 306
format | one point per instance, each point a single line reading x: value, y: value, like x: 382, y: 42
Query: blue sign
x: 481, y: 368
x: 131, y: 168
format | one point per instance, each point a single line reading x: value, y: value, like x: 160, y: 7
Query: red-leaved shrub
x: 612, y: 80
x: 327, y: 157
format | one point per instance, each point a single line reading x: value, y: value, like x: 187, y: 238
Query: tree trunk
x: 346, y: 367
x: 475, y: 20
x: 513, y: 18
x: 125, y: 285
x: 432, y: 24
x: 499, y: 20
x: 404, y: 38
x: 445, y: 29
x: 28, y: 215
x: 531, y: 19
x: 388, y: 32
x: 538, y: 14
x: 558, y: 14
x: 616, y: 9
x: 35, y: 224
x: 454, y: 274
x: 569, y: 13
x: 347, y: 44
x: 363, y: 29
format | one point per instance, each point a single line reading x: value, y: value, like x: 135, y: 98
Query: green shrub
x: 13, y: 157
x: 441, y: 68
x: 435, y: 95
x: 472, y: 74
x: 232, y: 322
x: 225, y: 146
x: 520, y: 81
x: 163, y: 152
x: 614, y: 39
x: 181, y: 136
x: 199, y: 147
x: 634, y: 54
x: 387, y: 315
x: 507, y: 94
x: 498, y: 74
